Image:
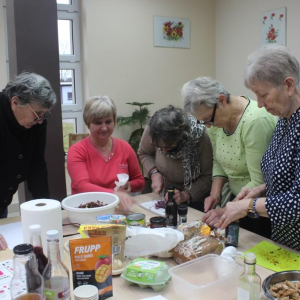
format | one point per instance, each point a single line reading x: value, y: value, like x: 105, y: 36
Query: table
x: 121, y: 291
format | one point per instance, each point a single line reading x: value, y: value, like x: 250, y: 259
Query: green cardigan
x: 237, y: 155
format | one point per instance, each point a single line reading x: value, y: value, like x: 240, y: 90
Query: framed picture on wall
x: 273, y: 27
x: 171, y: 32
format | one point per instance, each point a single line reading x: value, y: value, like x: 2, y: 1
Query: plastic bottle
x: 27, y: 282
x: 232, y: 234
x: 36, y: 242
x: 56, y: 274
x: 182, y: 212
x: 171, y: 209
x: 249, y: 286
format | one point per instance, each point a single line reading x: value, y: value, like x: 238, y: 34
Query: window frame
x: 77, y: 87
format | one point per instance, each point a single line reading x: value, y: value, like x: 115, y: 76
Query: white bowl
x: 88, y: 215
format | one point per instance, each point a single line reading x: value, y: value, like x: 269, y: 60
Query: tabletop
x: 121, y: 291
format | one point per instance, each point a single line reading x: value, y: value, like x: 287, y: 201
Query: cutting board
x: 275, y: 258
x: 150, y: 206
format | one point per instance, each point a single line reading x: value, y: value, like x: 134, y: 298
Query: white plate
x: 150, y: 206
x: 67, y: 248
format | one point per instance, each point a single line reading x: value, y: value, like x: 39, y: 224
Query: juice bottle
x: 56, y: 274
x: 36, y: 242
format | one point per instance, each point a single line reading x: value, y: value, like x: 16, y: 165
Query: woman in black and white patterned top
x: 273, y: 75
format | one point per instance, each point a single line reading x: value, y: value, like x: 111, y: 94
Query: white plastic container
x: 88, y: 215
x: 208, y: 277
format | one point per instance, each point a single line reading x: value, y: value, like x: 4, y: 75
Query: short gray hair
x: 31, y: 88
x: 99, y: 107
x: 169, y: 125
x: 202, y: 91
x: 272, y: 64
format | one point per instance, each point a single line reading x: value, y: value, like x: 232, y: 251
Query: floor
x: 14, y: 208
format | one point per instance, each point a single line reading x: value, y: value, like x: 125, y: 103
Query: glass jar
x: 157, y: 222
x: 27, y: 282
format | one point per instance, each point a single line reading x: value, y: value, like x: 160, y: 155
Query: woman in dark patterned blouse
x: 273, y: 75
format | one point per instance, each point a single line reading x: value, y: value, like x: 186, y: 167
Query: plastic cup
x: 123, y: 178
x: 87, y: 292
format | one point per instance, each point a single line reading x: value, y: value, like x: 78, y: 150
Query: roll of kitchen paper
x: 45, y: 212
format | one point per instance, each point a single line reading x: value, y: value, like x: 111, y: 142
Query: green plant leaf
x: 140, y: 104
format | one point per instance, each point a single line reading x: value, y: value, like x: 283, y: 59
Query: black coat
x: 21, y: 156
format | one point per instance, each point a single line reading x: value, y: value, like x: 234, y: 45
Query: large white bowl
x: 88, y: 215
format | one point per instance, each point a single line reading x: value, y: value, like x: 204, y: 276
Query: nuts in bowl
x: 282, y: 285
x: 107, y: 201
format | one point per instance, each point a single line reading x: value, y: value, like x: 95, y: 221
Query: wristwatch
x: 251, y: 212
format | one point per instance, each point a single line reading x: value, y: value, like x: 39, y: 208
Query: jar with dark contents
x: 157, y: 222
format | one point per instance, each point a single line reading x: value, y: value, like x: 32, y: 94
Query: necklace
x: 111, y: 152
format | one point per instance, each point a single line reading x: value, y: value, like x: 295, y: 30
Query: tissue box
x: 208, y: 277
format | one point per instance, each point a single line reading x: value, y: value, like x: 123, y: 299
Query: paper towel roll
x: 45, y: 212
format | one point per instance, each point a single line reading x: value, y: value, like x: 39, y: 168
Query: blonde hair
x: 99, y: 107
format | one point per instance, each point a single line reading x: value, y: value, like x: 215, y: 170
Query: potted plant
x: 139, y: 117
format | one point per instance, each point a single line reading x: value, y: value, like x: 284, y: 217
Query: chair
x: 76, y: 137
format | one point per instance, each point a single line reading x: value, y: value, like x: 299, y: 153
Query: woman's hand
x: 125, y: 188
x: 126, y: 201
x: 233, y: 211
x: 211, y: 202
x: 180, y: 197
x: 213, y: 216
x: 247, y: 193
x: 157, y: 183
x: 3, y: 243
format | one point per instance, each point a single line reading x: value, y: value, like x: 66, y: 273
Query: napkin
x: 275, y: 258
x: 123, y: 178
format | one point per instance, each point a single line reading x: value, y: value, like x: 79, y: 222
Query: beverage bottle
x: 27, y: 282
x: 56, y: 274
x: 249, y: 286
x: 171, y: 209
x: 182, y: 213
x: 232, y: 234
x: 36, y: 242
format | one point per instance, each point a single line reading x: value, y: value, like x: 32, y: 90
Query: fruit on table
x: 102, y: 268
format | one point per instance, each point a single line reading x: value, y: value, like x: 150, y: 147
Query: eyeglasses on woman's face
x: 169, y: 148
x: 212, y: 119
x: 38, y: 118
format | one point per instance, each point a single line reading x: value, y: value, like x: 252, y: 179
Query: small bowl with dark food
x: 282, y: 285
x: 85, y: 207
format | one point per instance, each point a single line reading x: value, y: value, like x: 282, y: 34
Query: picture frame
x: 273, y: 27
x: 171, y: 32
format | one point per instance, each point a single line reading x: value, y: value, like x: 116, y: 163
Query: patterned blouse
x: 281, y: 170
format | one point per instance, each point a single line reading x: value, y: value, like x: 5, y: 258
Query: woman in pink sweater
x: 94, y: 162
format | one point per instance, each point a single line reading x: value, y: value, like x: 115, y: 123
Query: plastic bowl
x: 210, y: 277
x: 88, y: 215
x: 279, y: 277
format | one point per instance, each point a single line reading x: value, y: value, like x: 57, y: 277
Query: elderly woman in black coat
x: 25, y: 103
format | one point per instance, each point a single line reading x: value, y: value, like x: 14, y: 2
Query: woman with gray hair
x: 273, y: 74
x: 95, y: 162
x: 175, y: 150
x: 240, y: 134
x: 25, y: 103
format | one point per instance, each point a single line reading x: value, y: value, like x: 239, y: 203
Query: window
x: 70, y: 68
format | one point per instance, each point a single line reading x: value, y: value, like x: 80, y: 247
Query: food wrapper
x: 199, y: 240
x: 197, y: 246
x: 117, y: 232
x: 92, y: 264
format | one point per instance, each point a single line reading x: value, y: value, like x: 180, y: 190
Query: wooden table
x: 121, y: 291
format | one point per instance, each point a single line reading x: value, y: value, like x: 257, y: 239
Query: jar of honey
x: 157, y: 222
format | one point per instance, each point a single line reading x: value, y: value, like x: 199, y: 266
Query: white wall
x: 3, y: 72
x: 121, y: 61
x: 238, y: 34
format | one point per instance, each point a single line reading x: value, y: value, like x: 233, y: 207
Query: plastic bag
x: 145, y: 241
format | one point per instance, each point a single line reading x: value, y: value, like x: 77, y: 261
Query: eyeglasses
x: 212, y: 119
x: 46, y: 115
x: 168, y: 148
